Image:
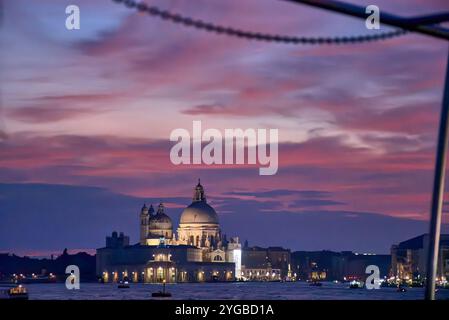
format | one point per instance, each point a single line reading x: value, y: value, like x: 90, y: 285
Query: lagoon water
x: 231, y: 291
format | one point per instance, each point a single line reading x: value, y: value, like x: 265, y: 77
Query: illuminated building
x: 409, y: 258
x: 340, y: 266
x: 266, y: 264
x: 197, y: 252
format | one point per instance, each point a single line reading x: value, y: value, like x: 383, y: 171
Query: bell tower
x: 144, y: 216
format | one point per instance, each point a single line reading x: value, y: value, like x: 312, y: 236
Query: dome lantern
x: 160, y: 209
x: 198, y: 194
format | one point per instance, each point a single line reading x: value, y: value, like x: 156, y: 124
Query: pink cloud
x: 356, y: 177
x: 385, y: 94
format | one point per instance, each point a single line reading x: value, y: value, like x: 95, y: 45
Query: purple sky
x: 86, y: 115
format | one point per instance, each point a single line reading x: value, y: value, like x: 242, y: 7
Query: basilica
x: 196, y: 252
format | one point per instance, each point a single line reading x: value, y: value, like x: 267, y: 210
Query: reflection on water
x: 234, y: 291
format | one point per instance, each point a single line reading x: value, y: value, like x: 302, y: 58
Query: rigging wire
x: 230, y: 31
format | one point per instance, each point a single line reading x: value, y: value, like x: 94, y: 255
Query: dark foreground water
x: 233, y: 291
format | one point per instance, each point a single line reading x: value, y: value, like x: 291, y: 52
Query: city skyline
x: 86, y: 121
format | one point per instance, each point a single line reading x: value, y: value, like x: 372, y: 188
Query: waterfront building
x: 356, y: 263
x: 197, y: 252
x: 318, y: 265
x: 341, y: 266
x: 409, y: 259
x: 266, y: 264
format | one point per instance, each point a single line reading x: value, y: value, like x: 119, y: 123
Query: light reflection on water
x: 233, y: 291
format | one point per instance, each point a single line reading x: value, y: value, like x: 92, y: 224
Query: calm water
x: 234, y: 291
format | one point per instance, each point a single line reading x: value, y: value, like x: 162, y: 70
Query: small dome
x: 160, y: 220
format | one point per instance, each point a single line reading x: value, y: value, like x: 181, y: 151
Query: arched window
x: 197, y: 241
x: 218, y: 258
x: 191, y: 240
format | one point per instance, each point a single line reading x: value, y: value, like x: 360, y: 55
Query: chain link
x: 210, y: 27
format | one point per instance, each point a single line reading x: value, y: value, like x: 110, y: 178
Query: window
x: 218, y: 258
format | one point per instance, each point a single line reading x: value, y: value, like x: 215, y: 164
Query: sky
x: 86, y: 116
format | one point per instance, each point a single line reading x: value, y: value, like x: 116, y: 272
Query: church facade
x: 196, y: 252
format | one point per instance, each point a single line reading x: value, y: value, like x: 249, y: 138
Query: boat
x: 355, y: 285
x: 401, y: 289
x: 123, y: 285
x: 14, y: 292
x: 161, y: 294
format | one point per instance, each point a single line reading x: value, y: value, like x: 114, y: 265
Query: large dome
x: 199, y: 212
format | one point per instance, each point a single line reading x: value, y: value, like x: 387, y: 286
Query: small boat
x: 161, y: 294
x: 355, y: 285
x: 14, y: 292
x: 123, y: 285
x: 401, y: 289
